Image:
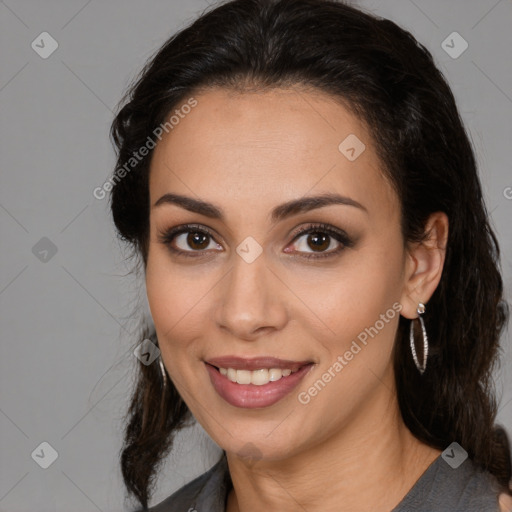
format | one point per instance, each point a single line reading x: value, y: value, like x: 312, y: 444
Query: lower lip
x: 250, y: 396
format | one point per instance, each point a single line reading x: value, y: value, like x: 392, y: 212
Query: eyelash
x: 167, y: 237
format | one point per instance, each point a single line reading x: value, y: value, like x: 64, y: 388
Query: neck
x: 370, y: 464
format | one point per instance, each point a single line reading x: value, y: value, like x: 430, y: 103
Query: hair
x: 389, y: 81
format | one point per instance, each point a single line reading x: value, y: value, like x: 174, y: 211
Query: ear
x: 424, y: 265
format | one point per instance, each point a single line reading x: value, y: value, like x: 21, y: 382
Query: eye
x: 189, y: 237
x: 321, y: 237
x: 196, y: 239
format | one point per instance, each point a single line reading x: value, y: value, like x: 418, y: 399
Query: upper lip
x: 255, y: 363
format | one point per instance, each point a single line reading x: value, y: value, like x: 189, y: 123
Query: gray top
x: 440, y: 489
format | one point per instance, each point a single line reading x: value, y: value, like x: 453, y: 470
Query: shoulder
x: 206, y: 492
x: 465, y: 488
x: 479, y: 490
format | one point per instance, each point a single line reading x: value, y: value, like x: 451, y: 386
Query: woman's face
x: 322, y: 304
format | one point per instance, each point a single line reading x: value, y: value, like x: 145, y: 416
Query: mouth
x: 255, y: 383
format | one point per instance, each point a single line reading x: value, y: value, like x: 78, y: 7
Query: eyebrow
x: 281, y: 212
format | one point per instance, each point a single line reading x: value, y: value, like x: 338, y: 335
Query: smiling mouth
x: 258, y: 377
x: 255, y: 383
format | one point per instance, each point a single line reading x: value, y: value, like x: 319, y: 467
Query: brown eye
x: 320, y: 241
x: 189, y: 240
x: 197, y: 240
x: 316, y: 241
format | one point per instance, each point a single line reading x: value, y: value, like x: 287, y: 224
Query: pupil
x: 316, y: 237
x: 193, y: 238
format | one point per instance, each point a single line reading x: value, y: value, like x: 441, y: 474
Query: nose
x: 251, y: 300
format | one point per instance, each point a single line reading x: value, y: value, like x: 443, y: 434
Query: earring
x: 162, y: 369
x: 421, y: 367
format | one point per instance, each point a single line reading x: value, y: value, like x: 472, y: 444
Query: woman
x: 320, y: 269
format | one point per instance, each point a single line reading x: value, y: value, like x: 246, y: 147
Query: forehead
x: 264, y: 148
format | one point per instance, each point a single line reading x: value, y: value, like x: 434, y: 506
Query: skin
x: 505, y: 503
x: 248, y: 153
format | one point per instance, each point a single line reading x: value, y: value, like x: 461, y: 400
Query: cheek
x: 161, y: 292
x: 359, y: 303
x: 352, y: 296
x: 178, y: 301
x: 168, y: 297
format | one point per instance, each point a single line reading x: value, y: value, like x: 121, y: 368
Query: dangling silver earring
x: 162, y: 369
x: 421, y: 367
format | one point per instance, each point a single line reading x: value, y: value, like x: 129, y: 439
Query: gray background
x: 66, y: 365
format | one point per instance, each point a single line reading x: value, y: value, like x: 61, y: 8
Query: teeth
x: 243, y: 376
x: 275, y: 374
x: 259, y: 377
x: 256, y: 377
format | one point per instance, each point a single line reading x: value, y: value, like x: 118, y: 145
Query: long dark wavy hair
x: 390, y: 82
